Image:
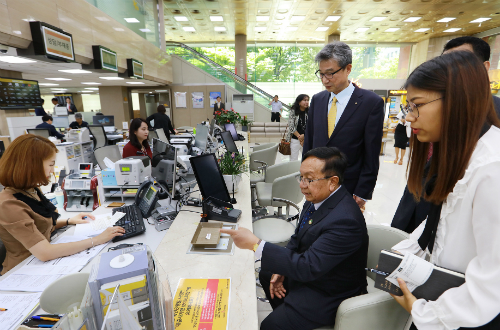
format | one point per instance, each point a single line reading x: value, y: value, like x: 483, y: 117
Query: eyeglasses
x: 327, y: 75
x: 413, y: 108
x: 307, y: 182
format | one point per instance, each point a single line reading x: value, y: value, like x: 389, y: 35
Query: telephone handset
x: 146, y: 198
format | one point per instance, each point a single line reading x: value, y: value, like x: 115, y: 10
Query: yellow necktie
x: 332, y: 115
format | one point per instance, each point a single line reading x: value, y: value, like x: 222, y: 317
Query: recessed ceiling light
x: 322, y: 28
x: 188, y: 28
x: 135, y: 83
x: 391, y: 29
x: 15, y: 59
x: 446, y: 19
x: 291, y: 28
x: 452, y: 30
x: 362, y: 29
x: 332, y: 18
x: 377, y: 19
x: 59, y: 89
x: 91, y: 83
x: 161, y: 90
x: 219, y: 28
x: 216, y: 18
x: 422, y: 30
x: 75, y: 71
x: 260, y: 28
x: 118, y: 29
x: 48, y: 84
x: 85, y: 92
x: 17, y: 32
x: 298, y: 18
x: 58, y: 79
x: 480, y: 20
x: 262, y: 18
x: 145, y: 30
x: 112, y: 78
x: 181, y: 18
x: 102, y: 18
x: 131, y: 20
x: 412, y: 19
x: 92, y: 88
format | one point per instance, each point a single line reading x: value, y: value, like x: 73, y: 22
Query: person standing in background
x: 401, y: 136
x: 40, y: 111
x: 70, y: 106
x: 219, y: 105
x: 276, y: 109
x: 55, y: 102
x: 297, y: 125
x: 162, y: 120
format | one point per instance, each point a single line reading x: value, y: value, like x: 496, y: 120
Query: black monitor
x: 104, y: 120
x: 229, y: 142
x: 162, y: 150
x: 212, y: 127
x: 230, y: 128
x: 209, y: 177
x: 2, y: 148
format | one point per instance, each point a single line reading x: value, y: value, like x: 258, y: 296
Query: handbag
x: 284, y: 147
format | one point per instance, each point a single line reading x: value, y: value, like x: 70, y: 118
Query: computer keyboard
x: 132, y: 222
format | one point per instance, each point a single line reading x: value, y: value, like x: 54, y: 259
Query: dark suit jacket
x: 72, y: 107
x: 162, y: 121
x: 358, y: 134
x: 74, y: 125
x: 325, y: 262
x: 52, y: 130
x: 496, y: 102
x: 40, y: 111
x: 216, y: 108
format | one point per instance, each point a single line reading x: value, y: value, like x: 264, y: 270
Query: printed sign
x: 58, y: 44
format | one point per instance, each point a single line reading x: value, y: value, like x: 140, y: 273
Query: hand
x: 243, y: 238
x: 108, y: 235
x: 79, y: 218
x: 361, y: 203
x: 276, y: 287
x: 302, y: 143
x: 301, y: 137
x: 403, y: 121
x: 407, y: 300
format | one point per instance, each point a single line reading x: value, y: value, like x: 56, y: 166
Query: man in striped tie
x: 347, y: 117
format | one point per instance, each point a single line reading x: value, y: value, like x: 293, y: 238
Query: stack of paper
x: 101, y: 222
x: 19, y: 307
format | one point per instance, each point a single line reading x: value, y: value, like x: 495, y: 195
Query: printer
x: 132, y: 171
x: 79, y: 135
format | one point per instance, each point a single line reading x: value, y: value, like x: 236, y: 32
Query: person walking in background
x: 401, y: 136
x: 276, y: 109
x: 218, y: 106
x: 40, y: 111
x: 347, y: 117
x: 70, y: 106
x: 297, y: 125
x: 162, y: 120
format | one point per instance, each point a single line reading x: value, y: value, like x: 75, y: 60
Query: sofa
x: 267, y: 131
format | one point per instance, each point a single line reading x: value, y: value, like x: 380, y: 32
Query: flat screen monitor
x: 19, y: 94
x: 60, y: 111
x: 209, y: 177
x: 104, y: 120
x: 60, y: 122
x: 162, y: 150
x: 201, y: 137
x: 212, y: 126
x: 229, y: 142
x: 230, y: 128
x: 2, y: 148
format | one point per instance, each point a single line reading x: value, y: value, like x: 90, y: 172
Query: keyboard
x: 132, y: 222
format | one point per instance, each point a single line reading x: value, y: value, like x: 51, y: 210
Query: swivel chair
x: 152, y: 135
x: 260, y: 159
x: 161, y: 135
x: 99, y: 136
x: 43, y: 132
x: 111, y: 152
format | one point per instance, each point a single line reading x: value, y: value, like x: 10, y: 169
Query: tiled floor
x: 380, y: 210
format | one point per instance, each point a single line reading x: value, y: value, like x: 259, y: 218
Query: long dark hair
x: 134, y: 127
x: 462, y: 80
x: 296, y: 105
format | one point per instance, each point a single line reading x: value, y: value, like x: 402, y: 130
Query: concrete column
x: 333, y: 37
x: 161, y: 20
x: 240, y: 60
x: 4, y: 128
x: 404, y: 62
x: 495, y: 54
x: 418, y: 54
x: 78, y: 102
x: 115, y: 102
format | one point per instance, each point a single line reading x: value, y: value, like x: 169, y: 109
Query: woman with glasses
x: 401, y: 136
x: 297, y: 125
x: 450, y: 106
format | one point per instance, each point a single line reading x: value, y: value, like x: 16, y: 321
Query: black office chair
x: 39, y: 131
x: 99, y: 136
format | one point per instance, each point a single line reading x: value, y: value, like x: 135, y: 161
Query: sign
x: 213, y: 98
x: 197, y: 100
x: 398, y: 92
x: 135, y: 68
x: 105, y: 58
x: 52, y: 42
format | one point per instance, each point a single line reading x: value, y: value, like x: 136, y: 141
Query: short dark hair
x: 134, y: 126
x: 47, y: 118
x: 335, y: 161
x: 42, y: 100
x: 55, y: 99
x: 161, y: 109
x: 219, y: 97
x: 479, y: 46
x: 67, y: 97
x: 276, y: 96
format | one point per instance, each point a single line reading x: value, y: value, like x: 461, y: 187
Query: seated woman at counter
x: 138, y: 135
x: 27, y: 217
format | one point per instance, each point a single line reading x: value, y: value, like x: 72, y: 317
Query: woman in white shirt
x: 450, y: 105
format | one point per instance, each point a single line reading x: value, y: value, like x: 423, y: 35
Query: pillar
x: 333, y: 37
x: 115, y: 102
x: 78, y: 102
x: 240, y: 58
x: 404, y: 62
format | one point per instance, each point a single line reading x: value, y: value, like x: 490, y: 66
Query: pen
x: 45, y: 326
x: 377, y: 272
x: 45, y: 318
x: 3, y: 309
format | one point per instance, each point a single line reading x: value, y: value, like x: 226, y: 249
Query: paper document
x: 413, y: 270
x: 223, y: 244
x: 97, y: 226
x: 18, y: 306
x: 109, y: 164
x: 28, y: 283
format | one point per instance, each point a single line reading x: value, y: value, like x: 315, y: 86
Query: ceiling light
x: 262, y: 18
x: 377, y: 19
x: 181, y: 18
x: 298, y: 18
x: 391, y: 30
x: 452, y: 30
x: 332, y: 18
x: 15, y: 59
x: 412, y: 19
x: 58, y: 79
x: 291, y: 28
x: 135, y: 83
x: 85, y: 92
x: 17, y: 32
x: 219, y: 28
x: 480, y: 20
x: 118, y: 29
x: 131, y: 20
x: 216, y: 18
x: 91, y: 83
x: 59, y: 89
x: 111, y: 78
x: 92, y: 88
x: 48, y: 84
x: 188, y: 28
x: 260, y: 28
x: 322, y: 29
x: 75, y: 71
x: 161, y: 90
x: 145, y: 30
x: 362, y: 29
x: 446, y: 20
x: 422, y: 30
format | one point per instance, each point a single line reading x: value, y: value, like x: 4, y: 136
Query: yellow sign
x: 398, y: 92
x: 202, y: 304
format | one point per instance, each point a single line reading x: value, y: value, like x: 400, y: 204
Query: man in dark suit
x: 70, y: 106
x: 324, y: 261
x: 219, y: 105
x: 347, y: 117
x: 47, y: 124
x: 39, y: 110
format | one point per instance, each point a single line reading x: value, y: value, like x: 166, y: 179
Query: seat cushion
x: 264, y: 193
x: 273, y: 230
x: 271, y: 124
x: 274, y: 135
x: 283, y: 123
x: 258, y: 134
x: 258, y: 123
x: 256, y: 177
x: 272, y: 129
x: 257, y: 129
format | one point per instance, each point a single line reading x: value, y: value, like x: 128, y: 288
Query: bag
x: 284, y: 147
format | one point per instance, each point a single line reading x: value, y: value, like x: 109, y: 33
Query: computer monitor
x: 162, y: 150
x: 201, y: 138
x: 60, y: 122
x: 2, y: 148
x: 230, y: 128
x: 229, y: 142
x: 209, y: 177
x: 104, y: 120
x: 212, y: 126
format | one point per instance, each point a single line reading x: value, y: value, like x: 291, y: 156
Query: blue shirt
x: 276, y: 106
x: 52, y: 130
x: 342, y: 99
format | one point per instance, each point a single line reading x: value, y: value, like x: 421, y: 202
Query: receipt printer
x: 132, y: 171
x: 215, y: 209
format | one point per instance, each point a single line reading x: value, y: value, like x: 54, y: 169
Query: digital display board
x: 105, y: 58
x: 19, y: 94
x: 135, y: 68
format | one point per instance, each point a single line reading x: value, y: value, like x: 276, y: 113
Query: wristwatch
x: 256, y: 246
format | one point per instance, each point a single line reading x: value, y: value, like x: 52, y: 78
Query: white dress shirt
x: 342, y: 99
x: 468, y: 241
x: 276, y: 106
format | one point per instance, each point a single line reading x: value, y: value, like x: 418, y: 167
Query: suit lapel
x: 322, y: 125
x: 353, y: 104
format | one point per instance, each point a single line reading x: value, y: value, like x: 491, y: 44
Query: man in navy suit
x: 324, y: 261
x: 47, y: 124
x: 347, y: 117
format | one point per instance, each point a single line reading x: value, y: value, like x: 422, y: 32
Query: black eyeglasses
x: 413, y: 108
x: 307, y: 181
x: 327, y: 75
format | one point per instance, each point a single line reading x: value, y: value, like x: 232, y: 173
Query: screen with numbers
x: 19, y: 94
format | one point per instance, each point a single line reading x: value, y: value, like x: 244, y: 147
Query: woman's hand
x: 301, y: 137
x: 108, y: 235
x: 79, y: 218
x: 407, y: 300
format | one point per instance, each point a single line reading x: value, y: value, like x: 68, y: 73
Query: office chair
x: 112, y: 152
x: 39, y: 131
x: 260, y: 160
x: 258, y: 147
x: 161, y: 135
x: 99, y: 136
x: 152, y: 135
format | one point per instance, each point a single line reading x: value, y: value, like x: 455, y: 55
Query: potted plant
x: 227, y: 116
x: 232, y: 166
x: 245, y: 123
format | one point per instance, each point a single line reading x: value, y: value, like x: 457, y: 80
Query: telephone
x: 146, y: 198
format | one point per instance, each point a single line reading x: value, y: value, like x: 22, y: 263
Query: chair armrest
x: 287, y: 188
x: 289, y: 203
x: 264, y: 164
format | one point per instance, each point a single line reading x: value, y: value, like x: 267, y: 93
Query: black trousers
x: 493, y: 325
x: 275, y: 116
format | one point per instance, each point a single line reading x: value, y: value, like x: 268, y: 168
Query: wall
x: 418, y: 54
x: 91, y: 102
x: 115, y: 101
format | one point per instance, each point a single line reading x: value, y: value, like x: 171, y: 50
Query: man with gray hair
x: 78, y: 123
x: 347, y: 117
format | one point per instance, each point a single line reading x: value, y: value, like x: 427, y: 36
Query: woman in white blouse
x: 450, y: 105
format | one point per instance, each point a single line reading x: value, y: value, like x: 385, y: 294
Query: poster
x: 202, y: 304
x: 213, y: 98
x: 180, y: 99
x: 197, y: 100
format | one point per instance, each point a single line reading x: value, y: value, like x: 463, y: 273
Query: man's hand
x: 243, y: 238
x: 407, y: 300
x: 361, y: 203
x: 276, y: 287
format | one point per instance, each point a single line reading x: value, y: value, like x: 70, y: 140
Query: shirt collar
x: 317, y: 205
x: 343, y: 96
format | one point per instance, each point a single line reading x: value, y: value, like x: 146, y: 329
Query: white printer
x: 132, y: 171
x: 78, y: 135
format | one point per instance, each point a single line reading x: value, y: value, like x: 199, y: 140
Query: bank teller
x: 79, y: 122
x: 47, y: 124
x: 27, y: 217
x: 138, y: 135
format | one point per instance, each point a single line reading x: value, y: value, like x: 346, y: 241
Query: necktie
x: 332, y: 116
x: 307, y: 216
